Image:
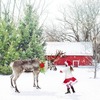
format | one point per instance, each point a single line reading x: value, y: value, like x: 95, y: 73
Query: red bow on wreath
x: 41, y: 65
x: 42, y: 69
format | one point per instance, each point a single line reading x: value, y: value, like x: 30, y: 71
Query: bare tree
x: 19, y: 8
x: 15, y: 8
x: 84, y: 24
x: 79, y: 22
x: 13, y: 11
x: 53, y: 33
x: 81, y: 19
x: 0, y: 9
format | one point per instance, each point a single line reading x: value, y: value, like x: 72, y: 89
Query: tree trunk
x: 0, y: 9
x: 13, y: 10
x: 95, y: 55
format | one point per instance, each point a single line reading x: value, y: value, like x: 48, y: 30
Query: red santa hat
x: 68, y: 63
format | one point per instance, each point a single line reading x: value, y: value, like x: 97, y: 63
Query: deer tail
x: 11, y: 64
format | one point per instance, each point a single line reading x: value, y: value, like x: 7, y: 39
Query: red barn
x: 79, y: 53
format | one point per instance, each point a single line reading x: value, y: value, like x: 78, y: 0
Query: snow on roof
x: 70, y: 48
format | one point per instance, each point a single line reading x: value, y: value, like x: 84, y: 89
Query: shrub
x: 5, y: 70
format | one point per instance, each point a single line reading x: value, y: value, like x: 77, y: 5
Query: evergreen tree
x: 31, y: 33
x: 8, y: 41
x: 22, y: 42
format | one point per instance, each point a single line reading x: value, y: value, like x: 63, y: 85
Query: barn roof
x: 70, y: 48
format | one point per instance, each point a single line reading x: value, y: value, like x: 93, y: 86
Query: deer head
x: 58, y: 55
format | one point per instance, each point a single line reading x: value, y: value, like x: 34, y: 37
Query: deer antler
x: 59, y: 53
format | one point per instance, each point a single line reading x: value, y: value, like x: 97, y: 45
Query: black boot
x: 72, y: 89
x: 68, y: 91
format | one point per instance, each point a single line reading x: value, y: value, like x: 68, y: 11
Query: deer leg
x: 11, y: 80
x: 15, y: 79
x: 50, y: 67
x: 37, y: 75
x: 34, y: 80
x: 55, y: 68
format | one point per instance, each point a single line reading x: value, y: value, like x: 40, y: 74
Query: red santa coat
x: 69, y: 78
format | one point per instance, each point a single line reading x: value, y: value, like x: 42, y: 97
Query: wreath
x: 42, y: 67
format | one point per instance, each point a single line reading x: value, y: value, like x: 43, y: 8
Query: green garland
x: 42, y: 70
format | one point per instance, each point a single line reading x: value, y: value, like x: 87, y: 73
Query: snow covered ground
x: 52, y: 88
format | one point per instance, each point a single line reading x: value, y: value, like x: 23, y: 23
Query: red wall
x: 83, y: 60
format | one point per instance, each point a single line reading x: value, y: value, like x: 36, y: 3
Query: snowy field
x: 52, y: 87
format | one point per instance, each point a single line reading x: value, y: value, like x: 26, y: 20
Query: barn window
x: 75, y: 63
